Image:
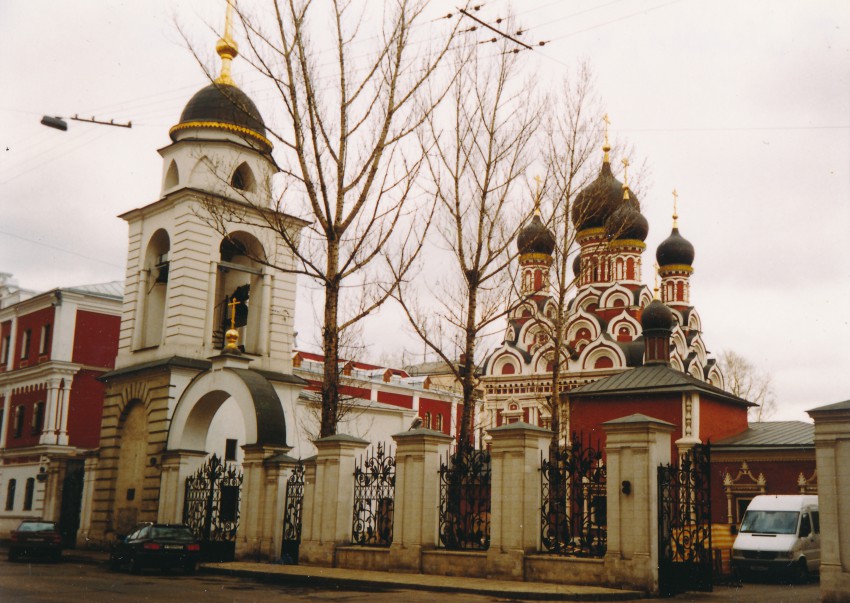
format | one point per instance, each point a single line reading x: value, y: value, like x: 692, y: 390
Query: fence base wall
x: 470, y: 564
x: 564, y: 570
x: 363, y: 558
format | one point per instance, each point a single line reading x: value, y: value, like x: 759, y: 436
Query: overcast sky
x: 742, y: 106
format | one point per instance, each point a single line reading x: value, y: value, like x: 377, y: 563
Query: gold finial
x: 232, y: 335
x: 226, y: 47
x: 538, y: 180
x: 606, y: 147
x: 675, y: 209
x: 657, y: 270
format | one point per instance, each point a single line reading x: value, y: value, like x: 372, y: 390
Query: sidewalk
x: 360, y: 579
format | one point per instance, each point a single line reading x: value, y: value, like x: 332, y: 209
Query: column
x: 417, y: 495
x: 139, y: 312
x: 63, y: 398
x: 832, y: 450
x: 175, y: 467
x: 51, y: 413
x: 257, y: 504
x: 86, y: 503
x: 265, y: 316
x: 328, y: 510
x: 635, y: 446
x: 5, y: 418
x: 209, y: 319
x: 515, y: 453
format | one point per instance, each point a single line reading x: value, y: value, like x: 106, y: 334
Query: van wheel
x: 802, y: 572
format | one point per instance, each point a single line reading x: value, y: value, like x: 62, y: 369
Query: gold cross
x: 675, y: 203
x: 232, y: 305
x: 625, y: 163
x: 538, y: 180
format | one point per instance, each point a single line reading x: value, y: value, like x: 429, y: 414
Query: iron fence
x: 465, y: 500
x: 374, y: 492
x: 574, y: 510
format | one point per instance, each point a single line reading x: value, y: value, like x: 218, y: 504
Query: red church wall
x: 96, y: 339
x: 85, y: 410
x: 587, y: 415
x: 718, y: 420
x: 780, y: 475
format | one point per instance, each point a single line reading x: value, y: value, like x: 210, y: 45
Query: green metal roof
x: 652, y: 379
x: 772, y: 434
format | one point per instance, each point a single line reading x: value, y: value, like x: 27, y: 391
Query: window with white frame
x: 44, y: 342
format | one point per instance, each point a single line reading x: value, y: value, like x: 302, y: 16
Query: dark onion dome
x: 535, y: 237
x: 626, y: 222
x: 577, y: 265
x: 675, y: 249
x: 226, y: 107
x: 657, y: 317
x: 598, y: 200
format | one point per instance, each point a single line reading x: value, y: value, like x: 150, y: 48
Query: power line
x: 63, y: 250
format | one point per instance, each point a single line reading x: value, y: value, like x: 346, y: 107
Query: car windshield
x: 770, y: 522
x: 36, y: 526
x: 178, y: 533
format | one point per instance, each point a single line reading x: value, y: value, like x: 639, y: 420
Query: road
x: 41, y: 582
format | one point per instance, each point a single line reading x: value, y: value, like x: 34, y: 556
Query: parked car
x: 156, y: 545
x: 780, y: 535
x: 35, y: 537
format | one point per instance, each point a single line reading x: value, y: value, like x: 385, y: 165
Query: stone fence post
x: 832, y: 452
x: 417, y: 496
x: 515, y: 454
x: 635, y: 446
x: 329, y: 500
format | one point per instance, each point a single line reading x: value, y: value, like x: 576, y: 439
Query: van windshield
x: 770, y: 522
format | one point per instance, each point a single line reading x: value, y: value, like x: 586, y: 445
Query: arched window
x: 438, y: 422
x: 240, y: 279
x: 172, y: 176
x: 243, y: 178
x: 10, y: 494
x: 603, y: 362
x: 156, y: 265
x: 680, y: 291
x: 427, y: 420
x: 29, y: 491
x: 630, y: 269
x: 538, y: 280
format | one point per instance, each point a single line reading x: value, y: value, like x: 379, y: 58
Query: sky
x: 743, y: 107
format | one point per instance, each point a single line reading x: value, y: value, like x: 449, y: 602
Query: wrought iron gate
x: 465, y: 500
x: 574, y: 510
x: 292, y: 515
x: 374, y: 491
x: 211, y: 508
x: 684, y: 524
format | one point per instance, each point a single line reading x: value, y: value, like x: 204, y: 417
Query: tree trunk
x: 330, y: 345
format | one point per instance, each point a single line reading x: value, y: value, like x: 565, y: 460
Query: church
x: 634, y: 351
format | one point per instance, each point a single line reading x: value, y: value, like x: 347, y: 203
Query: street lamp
x: 54, y: 122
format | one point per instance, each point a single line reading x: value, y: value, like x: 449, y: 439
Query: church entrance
x: 684, y: 524
x: 211, y: 508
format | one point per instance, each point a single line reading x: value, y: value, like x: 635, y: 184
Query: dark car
x: 35, y: 537
x: 157, y: 545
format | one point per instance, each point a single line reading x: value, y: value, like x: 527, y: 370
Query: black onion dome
x: 598, y: 200
x: 626, y: 222
x: 224, y: 106
x: 675, y: 249
x: 535, y: 238
x: 577, y: 265
x: 657, y: 316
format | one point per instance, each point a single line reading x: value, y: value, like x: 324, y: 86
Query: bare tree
x: 744, y: 380
x: 573, y: 136
x: 478, y: 171
x: 350, y: 108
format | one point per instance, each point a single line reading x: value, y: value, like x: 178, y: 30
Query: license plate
x: 759, y: 568
x: 173, y: 547
x: 36, y: 539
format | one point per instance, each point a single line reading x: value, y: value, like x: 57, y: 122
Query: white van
x: 779, y: 534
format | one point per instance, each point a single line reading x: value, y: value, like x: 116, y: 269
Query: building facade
x: 53, y: 348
